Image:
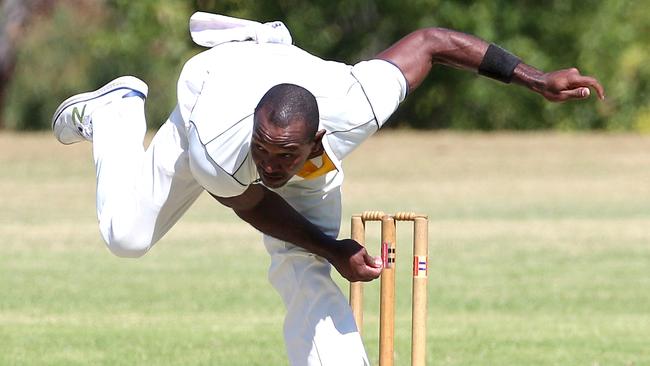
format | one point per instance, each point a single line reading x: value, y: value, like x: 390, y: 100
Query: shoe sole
x: 124, y: 82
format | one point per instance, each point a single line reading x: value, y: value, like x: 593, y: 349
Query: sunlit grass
x: 539, y: 255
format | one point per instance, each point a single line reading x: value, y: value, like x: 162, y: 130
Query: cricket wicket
x: 387, y: 297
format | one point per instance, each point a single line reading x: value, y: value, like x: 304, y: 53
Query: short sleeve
x: 383, y: 84
x: 376, y: 90
x: 212, y: 176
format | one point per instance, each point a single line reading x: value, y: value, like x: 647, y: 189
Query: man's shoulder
x: 222, y: 165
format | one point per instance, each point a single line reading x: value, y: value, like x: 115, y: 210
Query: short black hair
x: 289, y: 102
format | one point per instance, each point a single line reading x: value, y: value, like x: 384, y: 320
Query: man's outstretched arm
x: 416, y: 53
x: 272, y: 215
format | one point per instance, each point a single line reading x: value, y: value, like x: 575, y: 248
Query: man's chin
x: 274, y: 183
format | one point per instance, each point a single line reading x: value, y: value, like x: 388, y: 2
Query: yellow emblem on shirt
x: 311, y: 171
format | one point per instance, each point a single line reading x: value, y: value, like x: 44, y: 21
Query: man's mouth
x: 272, y: 177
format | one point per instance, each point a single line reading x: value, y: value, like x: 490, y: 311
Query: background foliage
x: 81, y: 44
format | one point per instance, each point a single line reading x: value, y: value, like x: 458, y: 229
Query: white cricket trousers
x: 142, y: 194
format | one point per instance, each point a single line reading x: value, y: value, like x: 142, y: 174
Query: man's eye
x: 286, y: 156
x: 259, y: 148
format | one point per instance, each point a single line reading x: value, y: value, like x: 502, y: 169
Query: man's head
x: 285, y: 133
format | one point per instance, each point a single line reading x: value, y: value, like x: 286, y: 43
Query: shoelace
x: 85, y: 128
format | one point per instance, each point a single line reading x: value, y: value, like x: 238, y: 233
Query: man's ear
x: 317, y: 149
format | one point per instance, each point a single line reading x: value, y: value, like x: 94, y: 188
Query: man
x: 263, y: 126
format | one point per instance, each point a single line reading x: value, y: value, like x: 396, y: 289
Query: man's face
x: 279, y: 152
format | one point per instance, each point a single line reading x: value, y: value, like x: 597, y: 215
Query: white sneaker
x: 72, y: 122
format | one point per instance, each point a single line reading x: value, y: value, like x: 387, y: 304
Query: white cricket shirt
x: 219, y: 89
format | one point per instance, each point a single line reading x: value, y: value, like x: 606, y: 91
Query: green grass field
x: 539, y: 255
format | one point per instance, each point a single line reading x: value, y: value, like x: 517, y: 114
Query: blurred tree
x: 85, y: 43
x: 15, y: 15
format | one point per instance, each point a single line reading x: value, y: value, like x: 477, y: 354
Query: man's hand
x: 558, y: 86
x: 568, y: 84
x: 354, y: 263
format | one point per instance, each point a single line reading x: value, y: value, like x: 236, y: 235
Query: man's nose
x: 268, y: 166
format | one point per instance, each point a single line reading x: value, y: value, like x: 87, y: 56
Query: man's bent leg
x: 140, y: 194
x: 319, y: 326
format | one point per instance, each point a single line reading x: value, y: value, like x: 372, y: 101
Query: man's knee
x: 127, y: 242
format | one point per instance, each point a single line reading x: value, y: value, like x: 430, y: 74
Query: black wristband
x: 498, y: 64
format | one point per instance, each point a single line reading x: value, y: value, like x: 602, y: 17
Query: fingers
x: 580, y: 81
x: 372, y: 268
x: 358, y: 265
x: 578, y: 93
x: 363, y: 274
x: 569, y: 84
x: 370, y: 274
x: 374, y: 262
